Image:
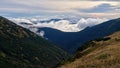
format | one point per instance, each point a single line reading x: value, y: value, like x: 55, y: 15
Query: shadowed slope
x: 70, y: 41
x: 21, y: 48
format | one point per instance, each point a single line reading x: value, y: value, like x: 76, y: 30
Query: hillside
x: 99, y: 53
x: 21, y: 48
x: 70, y: 41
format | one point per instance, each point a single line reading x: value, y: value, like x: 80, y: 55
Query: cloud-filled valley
x: 60, y: 24
x: 54, y: 33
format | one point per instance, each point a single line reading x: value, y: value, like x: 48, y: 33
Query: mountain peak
x: 1, y: 17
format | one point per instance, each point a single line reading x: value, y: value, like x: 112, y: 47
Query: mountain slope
x: 21, y: 48
x: 70, y: 41
x: 99, y: 53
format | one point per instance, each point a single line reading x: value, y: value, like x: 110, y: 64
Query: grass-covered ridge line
x: 100, y: 53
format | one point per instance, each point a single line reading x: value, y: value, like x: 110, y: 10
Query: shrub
x: 103, y: 56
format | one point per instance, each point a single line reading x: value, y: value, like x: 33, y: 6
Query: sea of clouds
x: 63, y: 25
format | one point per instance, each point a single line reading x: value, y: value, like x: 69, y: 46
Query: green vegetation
x: 21, y: 48
x: 103, y: 56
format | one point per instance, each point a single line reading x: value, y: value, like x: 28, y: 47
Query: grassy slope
x: 98, y: 54
x: 21, y: 48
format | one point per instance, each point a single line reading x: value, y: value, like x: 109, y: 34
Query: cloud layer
x: 58, y: 7
x: 63, y: 25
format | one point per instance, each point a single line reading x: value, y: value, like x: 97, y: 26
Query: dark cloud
x: 99, y: 9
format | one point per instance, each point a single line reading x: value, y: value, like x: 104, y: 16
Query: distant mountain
x: 21, y: 48
x: 63, y: 39
x: 70, y: 41
x: 51, y: 20
x: 99, y: 53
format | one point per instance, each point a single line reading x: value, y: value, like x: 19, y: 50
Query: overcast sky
x: 82, y: 8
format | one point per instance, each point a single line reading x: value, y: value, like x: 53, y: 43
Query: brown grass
x: 105, y: 54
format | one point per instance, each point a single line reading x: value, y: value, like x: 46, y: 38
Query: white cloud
x: 42, y: 33
x: 63, y: 25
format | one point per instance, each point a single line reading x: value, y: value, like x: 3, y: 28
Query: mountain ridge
x: 72, y: 40
x: 20, y: 47
x: 98, y: 53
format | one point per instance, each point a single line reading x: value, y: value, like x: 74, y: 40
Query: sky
x: 44, y: 8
